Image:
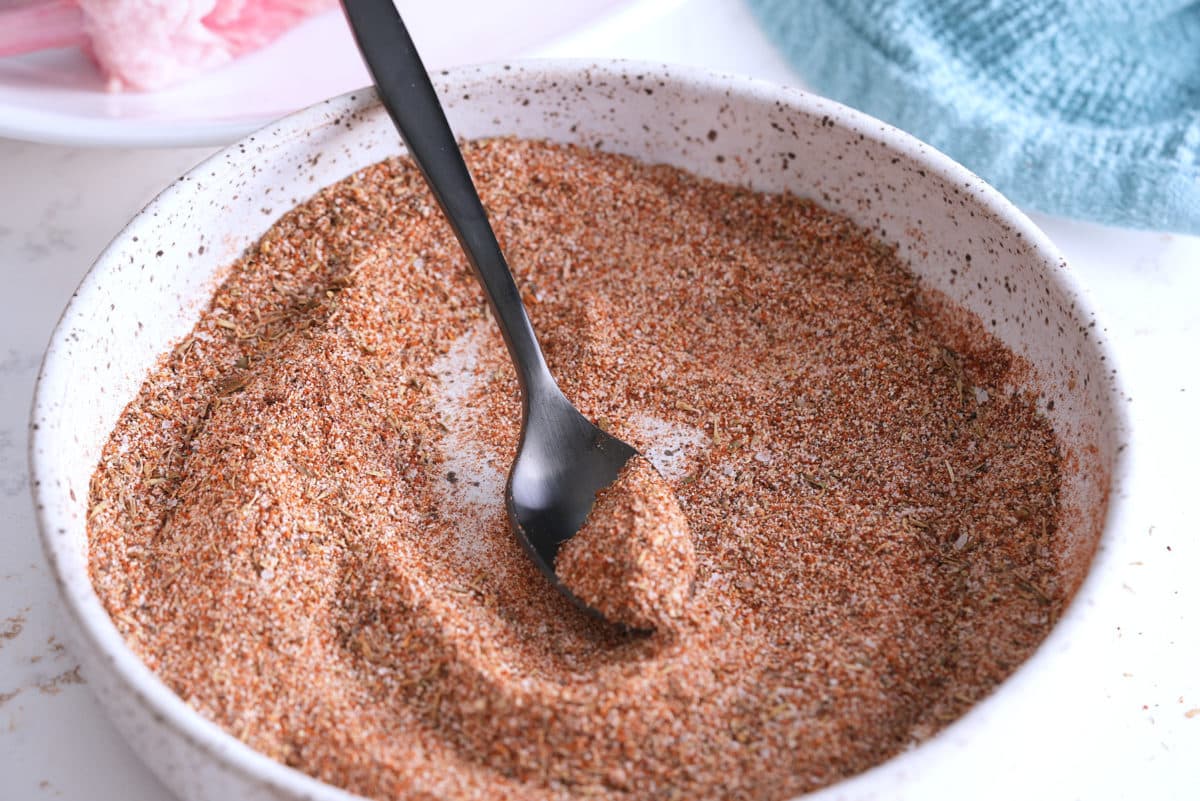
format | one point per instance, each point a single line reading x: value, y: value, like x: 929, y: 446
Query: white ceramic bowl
x: 147, y: 289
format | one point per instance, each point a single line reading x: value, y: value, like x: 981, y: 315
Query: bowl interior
x: 146, y: 291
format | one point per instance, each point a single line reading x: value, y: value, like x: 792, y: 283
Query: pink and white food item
x: 150, y: 44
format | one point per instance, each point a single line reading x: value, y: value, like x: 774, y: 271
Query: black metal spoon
x: 562, y: 459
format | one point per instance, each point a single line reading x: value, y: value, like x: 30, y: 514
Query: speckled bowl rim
x: 85, y: 608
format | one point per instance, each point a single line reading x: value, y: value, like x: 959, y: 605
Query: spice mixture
x: 632, y: 560
x: 299, y: 521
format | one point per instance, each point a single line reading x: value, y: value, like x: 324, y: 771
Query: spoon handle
x: 409, y: 97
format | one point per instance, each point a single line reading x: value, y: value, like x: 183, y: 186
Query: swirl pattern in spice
x: 299, y: 521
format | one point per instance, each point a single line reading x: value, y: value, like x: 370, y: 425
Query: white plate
x: 59, y: 96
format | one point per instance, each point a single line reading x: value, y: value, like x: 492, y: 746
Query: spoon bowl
x: 562, y: 461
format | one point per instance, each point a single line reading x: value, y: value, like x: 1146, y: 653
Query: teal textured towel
x: 1085, y: 108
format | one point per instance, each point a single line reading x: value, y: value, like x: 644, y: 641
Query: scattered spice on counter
x: 298, y: 523
x: 632, y: 560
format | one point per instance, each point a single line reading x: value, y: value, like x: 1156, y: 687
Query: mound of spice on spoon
x: 633, y: 559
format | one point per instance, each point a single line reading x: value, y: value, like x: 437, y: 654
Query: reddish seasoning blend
x: 299, y: 522
x: 632, y: 560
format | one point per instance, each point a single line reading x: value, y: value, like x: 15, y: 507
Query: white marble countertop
x: 1121, y: 708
